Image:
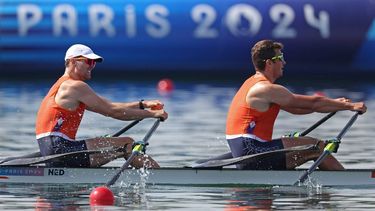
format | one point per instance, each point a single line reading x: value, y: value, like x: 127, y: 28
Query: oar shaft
x: 133, y: 155
x: 123, y: 167
x: 126, y: 128
x: 348, y: 125
x: 313, y: 167
x: 326, y: 151
x: 151, y: 131
x: 317, y: 124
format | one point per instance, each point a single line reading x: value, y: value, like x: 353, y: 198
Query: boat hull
x: 182, y: 176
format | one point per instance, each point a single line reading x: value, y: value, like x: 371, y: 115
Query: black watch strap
x: 141, y: 106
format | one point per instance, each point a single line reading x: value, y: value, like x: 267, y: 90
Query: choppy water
x: 194, y: 130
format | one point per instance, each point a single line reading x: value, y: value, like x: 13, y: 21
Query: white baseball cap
x: 82, y: 50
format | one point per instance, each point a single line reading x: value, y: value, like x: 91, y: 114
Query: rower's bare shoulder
x: 74, y: 85
x: 261, y: 88
x: 274, y: 88
x: 268, y: 92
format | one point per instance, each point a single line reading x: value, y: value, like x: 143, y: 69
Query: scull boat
x: 26, y: 169
x: 182, y: 176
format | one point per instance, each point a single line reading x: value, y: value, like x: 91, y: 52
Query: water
x: 195, y: 130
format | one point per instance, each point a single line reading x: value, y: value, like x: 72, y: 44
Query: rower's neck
x: 264, y: 74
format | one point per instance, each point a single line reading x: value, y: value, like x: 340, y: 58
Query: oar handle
x: 136, y: 151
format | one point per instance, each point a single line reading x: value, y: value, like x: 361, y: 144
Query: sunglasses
x: 89, y: 62
x: 279, y: 57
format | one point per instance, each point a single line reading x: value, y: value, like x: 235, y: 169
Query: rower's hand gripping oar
x: 36, y: 157
x: 138, y: 148
x: 331, y: 147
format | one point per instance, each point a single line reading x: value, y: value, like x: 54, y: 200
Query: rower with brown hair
x: 256, y: 105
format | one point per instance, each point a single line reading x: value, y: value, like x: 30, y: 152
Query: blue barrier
x: 188, y: 35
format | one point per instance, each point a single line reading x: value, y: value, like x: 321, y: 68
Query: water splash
x: 133, y: 188
x: 313, y: 187
x: 310, y: 187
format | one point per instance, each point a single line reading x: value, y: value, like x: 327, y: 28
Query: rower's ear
x: 267, y: 62
x: 70, y: 62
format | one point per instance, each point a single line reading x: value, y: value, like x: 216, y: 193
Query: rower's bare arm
x: 153, y: 104
x: 121, y: 111
x: 303, y: 104
x: 325, y: 104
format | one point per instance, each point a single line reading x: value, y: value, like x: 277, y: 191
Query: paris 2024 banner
x: 182, y: 36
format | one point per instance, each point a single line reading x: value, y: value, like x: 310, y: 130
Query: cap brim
x: 93, y: 56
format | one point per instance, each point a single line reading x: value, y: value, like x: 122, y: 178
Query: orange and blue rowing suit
x: 56, y: 129
x: 249, y: 131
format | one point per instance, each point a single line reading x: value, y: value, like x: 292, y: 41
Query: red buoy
x: 320, y: 93
x: 165, y: 85
x: 102, y: 196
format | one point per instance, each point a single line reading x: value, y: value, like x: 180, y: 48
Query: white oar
x: 330, y: 148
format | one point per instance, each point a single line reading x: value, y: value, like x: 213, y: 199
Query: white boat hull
x: 182, y: 176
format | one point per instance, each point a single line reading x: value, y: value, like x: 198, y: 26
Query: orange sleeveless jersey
x: 243, y: 121
x: 54, y: 120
